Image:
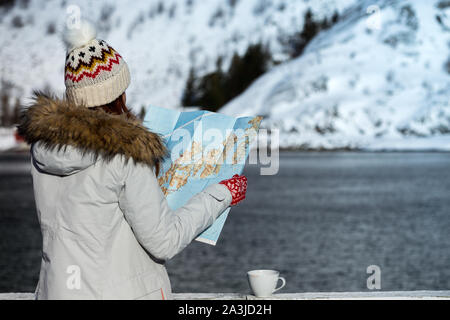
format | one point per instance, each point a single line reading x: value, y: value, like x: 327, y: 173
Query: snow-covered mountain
x: 378, y: 79
x: 160, y: 40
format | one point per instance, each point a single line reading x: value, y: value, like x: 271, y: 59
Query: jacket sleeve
x: 161, y: 231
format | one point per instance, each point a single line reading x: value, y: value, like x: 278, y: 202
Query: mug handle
x: 282, y: 285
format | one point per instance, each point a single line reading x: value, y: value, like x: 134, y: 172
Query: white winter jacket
x: 106, y: 225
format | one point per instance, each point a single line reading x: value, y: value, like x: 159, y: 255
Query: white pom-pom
x: 79, y: 34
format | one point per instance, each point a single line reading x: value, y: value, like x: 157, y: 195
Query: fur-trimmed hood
x: 57, y: 123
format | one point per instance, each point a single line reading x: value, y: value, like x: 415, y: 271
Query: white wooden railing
x: 371, y: 295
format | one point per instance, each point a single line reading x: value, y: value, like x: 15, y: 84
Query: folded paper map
x: 204, y: 148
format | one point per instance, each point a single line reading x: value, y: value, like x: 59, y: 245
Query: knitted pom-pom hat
x: 95, y: 74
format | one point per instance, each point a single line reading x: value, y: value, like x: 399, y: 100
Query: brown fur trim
x: 59, y: 122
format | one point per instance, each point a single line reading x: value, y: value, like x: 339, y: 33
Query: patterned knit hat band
x: 95, y: 74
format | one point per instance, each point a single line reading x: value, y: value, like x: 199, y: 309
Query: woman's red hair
x: 118, y: 107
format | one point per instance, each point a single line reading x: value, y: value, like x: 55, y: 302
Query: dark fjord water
x: 322, y: 220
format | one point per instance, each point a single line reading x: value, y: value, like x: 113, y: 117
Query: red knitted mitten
x: 237, y: 186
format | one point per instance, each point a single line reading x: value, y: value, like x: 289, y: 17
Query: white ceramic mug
x: 263, y: 282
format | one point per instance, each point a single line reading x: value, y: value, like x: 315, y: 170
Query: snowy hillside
x: 160, y: 40
x: 376, y: 81
x: 372, y: 81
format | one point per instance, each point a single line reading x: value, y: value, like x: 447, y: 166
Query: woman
x: 106, y: 226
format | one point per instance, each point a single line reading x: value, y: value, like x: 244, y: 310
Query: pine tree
x: 234, y: 79
x: 310, y: 27
x: 188, y: 98
x: 244, y: 70
x: 16, y: 112
x: 335, y: 18
x: 211, y: 91
x: 298, y: 42
x: 325, y: 24
x: 142, y: 113
x: 256, y: 61
x: 6, y: 116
